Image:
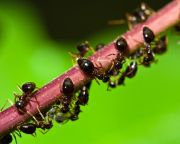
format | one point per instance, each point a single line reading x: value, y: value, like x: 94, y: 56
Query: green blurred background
x: 35, y: 37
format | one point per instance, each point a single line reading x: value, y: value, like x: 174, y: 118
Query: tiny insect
x: 67, y: 90
x: 83, y: 48
x: 75, y: 115
x: 148, y: 38
x: 68, y: 86
x: 131, y: 69
x: 148, y: 35
x: 42, y: 122
x: 160, y: 45
x: 83, y: 96
x: 139, y: 15
x: 99, y: 46
x: 27, y: 128
x: 121, y: 45
x: 7, y: 139
x: 27, y: 89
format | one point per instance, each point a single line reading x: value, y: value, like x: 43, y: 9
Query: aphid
x: 83, y: 96
x: 7, y: 139
x: 27, y: 128
x: 160, y: 45
x: 83, y: 48
x: 28, y: 89
x: 99, y: 46
x: 60, y: 117
x: 131, y: 69
x: 75, y: 114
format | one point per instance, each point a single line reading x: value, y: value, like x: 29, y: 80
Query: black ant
x: 148, y: 36
x: 67, y: 90
x: 160, y: 45
x: 83, y: 48
x: 41, y: 122
x: 99, y: 46
x: 83, y: 96
x: 131, y: 69
x: 27, y: 89
x: 7, y: 139
x: 139, y: 15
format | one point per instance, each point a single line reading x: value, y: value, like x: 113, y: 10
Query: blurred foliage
x: 144, y: 111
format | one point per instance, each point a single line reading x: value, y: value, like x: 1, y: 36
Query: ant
x: 160, y: 45
x: 67, y: 90
x: 83, y: 48
x: 27, y: 128
x: 99, y: 46
x: 131, y: 69
x: 148, y: 36
x: 27, y: 89
x: 88, y: 68
x: 41, y: 122
x: 139, y: 15
x: 7, y: 139
x: 122, y: 47
x: 83, y: 96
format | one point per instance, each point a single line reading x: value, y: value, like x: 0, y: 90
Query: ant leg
x: 14, y: 137
x: 37, y: 122
x: 7, y: 101
x: 129, y: 18
x: 18, y: 132
x: 40, y: 113
x: 74, y: 57
x: 19, y: 87
x: 116, y: 22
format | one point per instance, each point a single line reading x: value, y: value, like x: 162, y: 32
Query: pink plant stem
x: 50, y: 93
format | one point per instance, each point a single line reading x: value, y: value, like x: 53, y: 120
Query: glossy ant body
x: 27, y: 89
x: 7, y: 139
x: 67, y: 90
x: 148, y: 36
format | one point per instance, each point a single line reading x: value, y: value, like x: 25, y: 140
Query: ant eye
x: 68, y: 86
x: 121, y: 44
x: 148, y: 35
